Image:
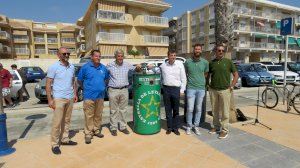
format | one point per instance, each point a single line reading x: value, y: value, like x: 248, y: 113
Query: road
x: 33, y: 119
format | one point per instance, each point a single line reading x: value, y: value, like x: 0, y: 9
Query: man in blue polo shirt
x: 92, y: 78
x: 61, y: 93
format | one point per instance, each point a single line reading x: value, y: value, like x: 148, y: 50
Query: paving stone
x: 273, y: 160
x: 270, y: 145
x: 240, y: 155
x: 291, y: 154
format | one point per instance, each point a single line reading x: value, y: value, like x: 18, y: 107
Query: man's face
x: 96, y: 57
x: 64, y: 54
x: 172, y: 58
x: 197, y: 51
x: 119, y: 58
x: 220, y: 51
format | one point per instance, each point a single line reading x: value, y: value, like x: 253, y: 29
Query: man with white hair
x: 118, y: 91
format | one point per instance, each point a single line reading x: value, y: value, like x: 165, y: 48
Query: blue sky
x: 70, y: 10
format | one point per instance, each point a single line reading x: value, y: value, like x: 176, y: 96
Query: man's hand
x: 51, y: 104
x: 150, y: 66
x: 10, y: 85
x: 181, y: 94
x: 75, y: 99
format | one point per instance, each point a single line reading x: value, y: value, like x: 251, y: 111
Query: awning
x: 108, y: 50
x: 260, y: 35
x: 157, y: 51
x: 292, y: 41
x: 278, y: 24
x: 298, y: 41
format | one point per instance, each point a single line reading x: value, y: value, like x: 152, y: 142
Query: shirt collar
x: 92, y: 64
x: 60, y: 63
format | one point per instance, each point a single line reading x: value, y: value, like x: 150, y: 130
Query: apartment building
x: 257, y: 31
x: 171, y: 33
x: 80, y: 39
x: 24, y: 39
x: 132, y: 25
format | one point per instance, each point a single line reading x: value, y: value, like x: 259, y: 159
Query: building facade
x: 171, y: 32
x: 24, y: 39
x: 257, y: 31
x: 131, y: 25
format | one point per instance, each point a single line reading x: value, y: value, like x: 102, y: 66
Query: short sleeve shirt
x: 93, y: 79
x: 62, y: 80
x: 195, y: 71
x: 6, y: 76
x: 220, y: 71
x: 119, y: 74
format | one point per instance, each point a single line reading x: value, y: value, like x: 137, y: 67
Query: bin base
x: 7, y: 151
x: 147, y: 133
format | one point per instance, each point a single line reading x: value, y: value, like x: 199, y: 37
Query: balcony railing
x: 39, y: 39
x: 68, y: 40
x: 211, y: 31
x: 156, y: 20
x: 52, y: 52
x: 258, y: 13
x: 156, y: 39
x: 259, y: 45
x: 40, y: 51
x: 52, y: 40
x: 111, y: 15
x: 294, y: 47
x: 4, y: 35
x: 82, y: 47
x: 111, y: 37
x: 22, y: 51
x: 21, y: 39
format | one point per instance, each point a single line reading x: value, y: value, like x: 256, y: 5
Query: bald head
x: 63, y: 55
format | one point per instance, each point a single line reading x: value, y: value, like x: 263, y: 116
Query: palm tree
x: 224, y: 26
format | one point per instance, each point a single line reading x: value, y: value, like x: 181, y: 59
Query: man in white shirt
x: 174, y: 84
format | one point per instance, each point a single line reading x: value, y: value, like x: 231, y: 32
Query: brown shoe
x: 213, y: 131
x: 223, y: 135
x: 99, y: 135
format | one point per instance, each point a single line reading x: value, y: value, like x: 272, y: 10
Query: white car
x: 278, y: 72
x: 17, y: 83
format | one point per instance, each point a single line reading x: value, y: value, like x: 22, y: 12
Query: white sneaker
x: 188, y: 131
x: 197, y: 131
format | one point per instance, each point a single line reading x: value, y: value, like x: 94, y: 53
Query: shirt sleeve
x: 233, y: 67
x: 107, y: 74
x: 51, y: 72
x: 183, y: 78
x: 80, y: 74
x: 206, y: 67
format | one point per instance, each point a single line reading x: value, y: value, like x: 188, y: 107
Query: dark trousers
x: 171, y: 100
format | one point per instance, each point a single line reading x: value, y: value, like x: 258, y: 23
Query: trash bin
x: 146, y: 98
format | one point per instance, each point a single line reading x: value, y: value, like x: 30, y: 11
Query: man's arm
x: 235, y: 78
x: 51, y: 103
x: 75, y: 89
x: 183, y: 80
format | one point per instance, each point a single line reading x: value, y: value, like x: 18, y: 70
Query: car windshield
x: 251, y: 68
x: 33, y: 69
x: 84, y: 59
x: 275, y: 68
x: 295, y: 66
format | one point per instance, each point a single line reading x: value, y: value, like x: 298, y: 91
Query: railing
x: 39, y: 39
x: 52, y: 52
x: 242, y: 10
x: 249, y: 11
x: 211, y: 31
x: 72, y: 50
x: 294, y: 47
x: 4, y: 34
x: 110, y: 15
x: 52, y: 40
x: 40, y: 51
x: 259, y: 45
x: 156, y: 39
x: 68, y: 40
x: 24, y: 51
x: 156, y: 20
x: 21, y: 38
x: 81, y: 32
x: 82, y: 47
x: 264, y: 30
x: 110, y: 37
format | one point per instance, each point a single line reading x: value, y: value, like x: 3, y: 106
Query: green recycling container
x: 146, y: 98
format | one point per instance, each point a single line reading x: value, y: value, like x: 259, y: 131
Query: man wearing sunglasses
x: 221, y: 86
x: 61, y: 94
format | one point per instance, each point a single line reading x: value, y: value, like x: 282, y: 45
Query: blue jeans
x: 194, y: 96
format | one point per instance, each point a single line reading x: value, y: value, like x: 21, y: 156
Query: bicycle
x: 270, y: 96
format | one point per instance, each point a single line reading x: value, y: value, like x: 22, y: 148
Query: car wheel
x: 80, y: 95
x: 244, y: 82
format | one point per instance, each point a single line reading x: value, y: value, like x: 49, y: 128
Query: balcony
x: 22, y: 51
x: 294, y: 47
x: 257, y: 13
x: 52, y: 40
x: 111, y: 38
x: 82, y: 47
x: 21, y: 39
x: 5, y: 49
x: 259, y: 45
x: 39, y: 51
x: 52, y: 52
x: 114, y: 18
x: 211, y: 31
x: 67, y: 40
x: 154, y: 40
x: 39, y: 39
x: 265, y: 30
x: 4, y: 35
x: 154, y: 22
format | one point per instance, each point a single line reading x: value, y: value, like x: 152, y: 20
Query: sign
x: 287, y: 26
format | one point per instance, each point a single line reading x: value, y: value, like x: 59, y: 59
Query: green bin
x: 146, y: 98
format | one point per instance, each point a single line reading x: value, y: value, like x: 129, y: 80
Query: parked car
x: 253, y: 75
x: 33, y: 72
x: 40, y: 90
x: 16, y: 84
x: 267, y: 62
x: 292, y: 66
x: 278, y: 72
x: 177, y: 59
x: 84, y: 59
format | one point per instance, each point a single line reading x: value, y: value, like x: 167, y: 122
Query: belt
x: 123, y: 87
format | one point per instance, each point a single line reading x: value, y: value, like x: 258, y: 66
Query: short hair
x: 13, y: 66
x: 219, y: 45
x: 171, y: 52
x: 60, y: 48
x: 197, y: 45
x: 94, y: 51
x: 118, y: 51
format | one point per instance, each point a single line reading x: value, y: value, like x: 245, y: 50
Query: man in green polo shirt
x: 196, y: 70
x: 220, y: 70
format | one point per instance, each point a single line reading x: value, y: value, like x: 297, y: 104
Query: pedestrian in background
x: 24, y: 82
x: 7, y: 80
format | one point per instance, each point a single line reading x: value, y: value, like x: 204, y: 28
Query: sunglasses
x: 221, y: 50
x: 65, y: 54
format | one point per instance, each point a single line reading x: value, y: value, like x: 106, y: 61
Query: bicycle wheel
x: 272, y: 98
x: 296, y: 102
